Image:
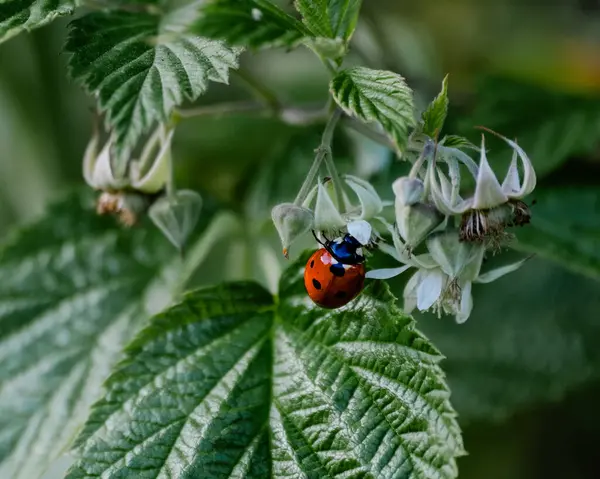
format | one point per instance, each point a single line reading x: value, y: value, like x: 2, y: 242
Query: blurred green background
x: 525, y: 369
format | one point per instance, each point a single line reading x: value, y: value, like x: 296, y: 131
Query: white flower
x: 148, y: 174
x: 130, y: 196
x: 493, y: 206
x: 352, y: 215
x: 489, y: 193
x: 446, y: 287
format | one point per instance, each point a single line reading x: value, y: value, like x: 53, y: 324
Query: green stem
x: 323, y: 152
x: 328, y: 157
x: 261, y: 91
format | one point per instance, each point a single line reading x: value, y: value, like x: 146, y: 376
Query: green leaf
x: 330, y: 18
x: 435, y: 114
x: 17, y: 16
x: 460, y: 142
x: 249, y: 23
x: 565, y: 228
x: 72, y: 293
x: 230, y: 383
x: 140, y: 68
x: 376, y: 95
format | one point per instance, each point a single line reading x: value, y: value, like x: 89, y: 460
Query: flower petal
x: 386, y: 273
x: 529, y: 177
x: 429, y: 289
x: 90, y: 158
x: 488, y: 192
x: 408, y: 191
x: 361, y: 230
x: 370, y: 202
x: 497, y: 273
x: 327, y: 216
x: 410, y: 292
x: 466, y: 303
x: 512, y: 183
x: 102, y: 177
x: 441, y: 195
x: 156, y: 177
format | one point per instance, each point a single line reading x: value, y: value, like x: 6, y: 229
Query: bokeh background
x: 525, y: 368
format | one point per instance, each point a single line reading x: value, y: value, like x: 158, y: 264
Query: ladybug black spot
x: 316, y: 284
x: 341, y: 294
x: 312, y: 263
x: 337, y: 270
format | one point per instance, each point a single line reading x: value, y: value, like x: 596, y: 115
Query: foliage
x: 103, y: 353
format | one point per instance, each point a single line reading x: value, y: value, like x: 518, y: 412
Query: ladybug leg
x: 318, y: 240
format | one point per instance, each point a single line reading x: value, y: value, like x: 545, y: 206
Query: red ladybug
x: 335, y: 274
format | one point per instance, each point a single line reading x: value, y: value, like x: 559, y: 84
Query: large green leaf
x: 17, y: 16
x: 72, y: 292
x: 330, y: 18
x: 376, y: 95
x: 250, y: 23
x: 565, y: 227
x: 230, y: 383
x: 139, y: 66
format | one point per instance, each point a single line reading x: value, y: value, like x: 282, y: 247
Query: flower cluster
x: 147, y: 188
x: 438, y: 232
x: 452, y: 233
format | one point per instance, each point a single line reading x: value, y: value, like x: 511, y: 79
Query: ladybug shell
x: 332, y: 286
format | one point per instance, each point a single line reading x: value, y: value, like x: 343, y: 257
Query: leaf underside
x: 376, y: 96
x: 18, y: 16
x: 229, y: 384
x: 140, y: 70
x: 70, y: 298
x: 330, y: 18
x: 249, y: 23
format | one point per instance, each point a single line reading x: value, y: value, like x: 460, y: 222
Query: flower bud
x: 177, y: 216
x: 291, y: 221
x: 327, y: 215
x: 370, y: 203
x: 415, y: 222
x: 453, y: 255
x: 408, y: 191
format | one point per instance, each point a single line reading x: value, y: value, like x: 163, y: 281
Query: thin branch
x: 367, y: 131
x: 223, y: 109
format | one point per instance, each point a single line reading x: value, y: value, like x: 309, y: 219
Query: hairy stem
x: 323, y: 152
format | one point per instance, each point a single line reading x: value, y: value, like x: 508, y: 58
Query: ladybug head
x: 346, y: 250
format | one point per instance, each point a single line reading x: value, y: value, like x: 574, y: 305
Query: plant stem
x: 323, y: 152
x: 261, y: 91
x: 222, y: 109
x: 328, y: 156
x: 368, y: 132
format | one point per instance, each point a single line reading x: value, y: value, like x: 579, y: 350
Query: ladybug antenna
x: 317, y: 238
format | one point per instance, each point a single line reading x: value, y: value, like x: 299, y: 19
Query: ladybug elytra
x: 335, y: 274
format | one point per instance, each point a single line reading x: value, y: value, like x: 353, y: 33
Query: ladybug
x: 335, y: 274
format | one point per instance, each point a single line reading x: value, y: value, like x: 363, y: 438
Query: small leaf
x: 230, y: 384
x: 17, y: 16
x: 455, y: 141
x: 435, y: 114
x: 72, y: 294
x: 376, y: 95
x: 249, y: 23
x: 140, y: 68
x: 330, y: 18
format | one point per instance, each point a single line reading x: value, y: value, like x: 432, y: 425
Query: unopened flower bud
x: 291, y: 221
x: 415, y: 222
x: 177, y: 216
x: 327, y: 215
x: 408, y: 190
